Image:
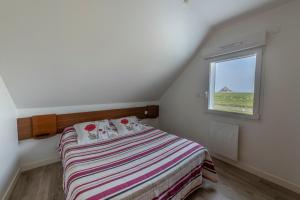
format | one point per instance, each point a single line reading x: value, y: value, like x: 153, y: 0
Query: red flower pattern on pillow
x: 90, y: 127
x: 124, y: 121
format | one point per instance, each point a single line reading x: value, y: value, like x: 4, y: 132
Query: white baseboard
x: 12, y: 185
x: 262, y: 174
x: 39, y: 163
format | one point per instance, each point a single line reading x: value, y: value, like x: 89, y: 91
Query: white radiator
x: 223, y: 139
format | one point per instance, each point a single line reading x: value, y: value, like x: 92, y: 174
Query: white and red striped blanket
x: 148, y: 165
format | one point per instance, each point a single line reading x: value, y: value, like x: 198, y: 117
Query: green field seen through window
x: 234, y: 102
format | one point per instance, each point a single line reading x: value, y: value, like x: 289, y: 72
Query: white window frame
x: 257, y: 86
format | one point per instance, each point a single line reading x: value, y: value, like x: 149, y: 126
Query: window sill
x: 233, y: 115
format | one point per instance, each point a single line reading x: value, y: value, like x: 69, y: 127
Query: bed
x: 150, y: 164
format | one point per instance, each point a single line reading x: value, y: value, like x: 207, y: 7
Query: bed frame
x: 42, y: 126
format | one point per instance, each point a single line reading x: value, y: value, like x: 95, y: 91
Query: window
x: 234, y: 83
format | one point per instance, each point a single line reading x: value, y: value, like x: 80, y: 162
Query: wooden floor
x: 45, y: 183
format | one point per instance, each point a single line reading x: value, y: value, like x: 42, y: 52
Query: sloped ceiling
x: 80, y: 52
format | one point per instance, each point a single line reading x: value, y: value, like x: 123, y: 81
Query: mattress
x: 151, y: 164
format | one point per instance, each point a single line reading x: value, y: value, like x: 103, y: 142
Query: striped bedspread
x: 148, y: 165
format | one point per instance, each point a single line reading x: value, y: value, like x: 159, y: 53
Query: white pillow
x: 140, y: 126
x: 128, y: 125
x: 105, y: 130
x: 87, y: 132
x: 90, y: 132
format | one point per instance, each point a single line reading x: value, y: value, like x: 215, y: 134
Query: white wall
x: 9, y: 139
x: 35, y: 153
x: 270, y: 146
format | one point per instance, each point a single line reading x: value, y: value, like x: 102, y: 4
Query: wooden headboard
x: 47, y: 125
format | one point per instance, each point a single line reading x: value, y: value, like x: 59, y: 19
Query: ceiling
x: 74, y: 52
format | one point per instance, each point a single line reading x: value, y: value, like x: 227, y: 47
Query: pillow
x: 114, y: 130
x: 87, y: 132
x: 128, y: 125
x: 140, y: 126
x: 90, y: 132
x: 106, y: 131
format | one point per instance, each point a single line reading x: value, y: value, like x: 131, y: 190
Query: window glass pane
x: 232, y: 85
